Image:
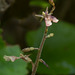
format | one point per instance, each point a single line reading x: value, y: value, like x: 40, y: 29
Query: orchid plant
x: 48, y: 21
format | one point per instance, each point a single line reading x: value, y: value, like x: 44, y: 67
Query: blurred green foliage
x: 8, y: 68
x: 58, y: 51
x: 38, y: 3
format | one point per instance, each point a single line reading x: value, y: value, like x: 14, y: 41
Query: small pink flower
x: 48, y: 18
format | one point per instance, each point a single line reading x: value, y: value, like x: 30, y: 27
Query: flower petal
x: 10, y: 58
x: 54, y: 19
x: 48, y: 22
x: 46, y: 12
x: 39, y: 16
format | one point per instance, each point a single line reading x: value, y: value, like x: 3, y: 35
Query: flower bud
x: 28, y: 49
x: 51, y: 2
x: 32, y: 48
x: 50, y: 35
x: 42, y: 61
x: 43, y: 13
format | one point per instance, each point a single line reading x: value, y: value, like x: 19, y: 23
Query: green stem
x: 39, y: 52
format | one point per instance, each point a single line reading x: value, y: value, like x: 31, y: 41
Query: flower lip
x: 54, y: 19
x: 48, y: 21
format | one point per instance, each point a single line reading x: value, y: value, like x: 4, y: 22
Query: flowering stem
x: 39, y: 52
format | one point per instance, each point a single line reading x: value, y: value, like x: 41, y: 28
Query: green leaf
x: 58, y: 51
x: 12, y: 68
x: 38, y: 3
